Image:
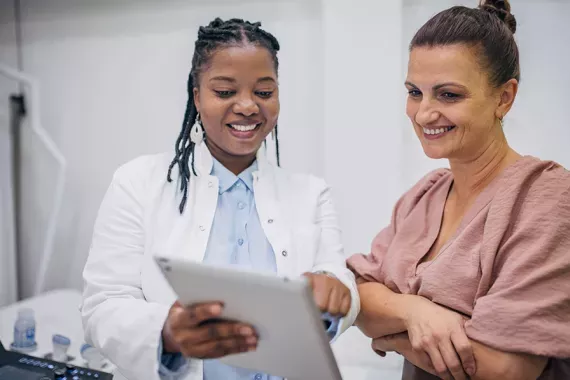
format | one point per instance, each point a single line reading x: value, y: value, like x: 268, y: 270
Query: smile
x: 244, y: 128
x: 437, y: 131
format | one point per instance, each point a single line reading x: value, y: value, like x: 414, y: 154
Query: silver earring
x: 502, y: 122
x: 197, y: 132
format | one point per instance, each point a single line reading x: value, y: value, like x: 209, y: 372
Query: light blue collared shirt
x: 236, y: 238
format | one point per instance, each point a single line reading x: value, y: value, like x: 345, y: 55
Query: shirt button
x: 241, y: 205
x: 284, y: 253
x: 240, y: 241
x: 258, y: 377
x: 238, y: 184
x: 270, y: 221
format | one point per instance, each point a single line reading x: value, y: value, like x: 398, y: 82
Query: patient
x: 472, y: 276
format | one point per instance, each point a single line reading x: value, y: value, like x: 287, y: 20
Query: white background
x: 113, y: 76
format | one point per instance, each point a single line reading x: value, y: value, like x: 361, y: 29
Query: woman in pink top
x: 472, y: 276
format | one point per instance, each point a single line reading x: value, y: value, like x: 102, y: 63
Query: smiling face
x: 238, y: 101
x: 454, y: 110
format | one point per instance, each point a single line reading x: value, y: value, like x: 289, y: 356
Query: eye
x: 450, y: 96
x: 264, y: 94
x: 224, y: 93
x: 414, y: 93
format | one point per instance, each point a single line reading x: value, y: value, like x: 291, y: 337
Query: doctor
x: 219, y: 200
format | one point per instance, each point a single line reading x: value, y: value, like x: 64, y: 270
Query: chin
x: 435, y: 154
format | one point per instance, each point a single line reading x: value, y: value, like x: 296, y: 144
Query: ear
x: 507, y: 94
x: 196, y: 94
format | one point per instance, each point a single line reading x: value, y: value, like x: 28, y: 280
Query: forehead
x: 454, y: 63
x: 247, y: 61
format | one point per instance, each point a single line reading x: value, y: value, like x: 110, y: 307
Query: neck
x: 472, y: 175
x: 234, y: 163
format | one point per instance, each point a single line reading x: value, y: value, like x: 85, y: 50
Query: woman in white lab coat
x: 219, y: 201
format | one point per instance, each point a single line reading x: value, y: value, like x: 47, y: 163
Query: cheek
x: 271, y: 110
x: 411, y: 108
x: 212, y: 111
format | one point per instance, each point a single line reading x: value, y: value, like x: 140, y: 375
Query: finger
x: 465, y: 351
x: 438, y: 363
x: 202, y: 312
x: 222, y: 347
x: 321, y: 294
x: 345, y: 304
x: 451, y: 360
x: 220, y: 330
x: 334, y: 301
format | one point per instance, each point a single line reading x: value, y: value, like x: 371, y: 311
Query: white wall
x: 8, y: 56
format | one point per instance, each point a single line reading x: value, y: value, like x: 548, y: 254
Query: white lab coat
x: 126, y: 299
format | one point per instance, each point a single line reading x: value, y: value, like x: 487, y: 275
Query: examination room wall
x: 113, y: 77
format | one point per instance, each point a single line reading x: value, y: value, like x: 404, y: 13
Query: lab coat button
x: 284, y: 253
x: 201, y: 228
x: 270, y: 221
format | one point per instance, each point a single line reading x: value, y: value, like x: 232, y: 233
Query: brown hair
x: 489, y: 28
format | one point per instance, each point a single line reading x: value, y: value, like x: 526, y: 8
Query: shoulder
x: 298, y: 182
x: 540, y: 190
x: 144, y: 176
x: 428, y: 184
x: 143, y: 168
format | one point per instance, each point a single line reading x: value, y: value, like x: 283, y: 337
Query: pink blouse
x: 507, y: 267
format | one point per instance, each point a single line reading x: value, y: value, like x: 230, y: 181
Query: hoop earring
x: 197, y: 131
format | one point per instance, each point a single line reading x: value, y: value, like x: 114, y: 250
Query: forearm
x: 491, y: 364
x: 382, y: 312
x: 495, y: 364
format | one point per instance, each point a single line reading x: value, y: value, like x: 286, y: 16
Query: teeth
x: 436, y: 131
x: 243, y: 128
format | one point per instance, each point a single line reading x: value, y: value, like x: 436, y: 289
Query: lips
x: 244, y: 129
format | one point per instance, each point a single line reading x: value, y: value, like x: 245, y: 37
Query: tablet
x: 292, y: 339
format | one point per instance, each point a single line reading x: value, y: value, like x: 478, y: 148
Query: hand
x: 400, y: 343
x: 330, y: 294
x: 440, y: 333
x: 196, y: 331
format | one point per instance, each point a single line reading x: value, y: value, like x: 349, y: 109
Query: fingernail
x: 215, y: 309
x: 251, y: 340
x: 246, y: 331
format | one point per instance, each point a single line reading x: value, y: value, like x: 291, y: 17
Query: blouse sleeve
x: 527, y: 307
x: 369, y: 266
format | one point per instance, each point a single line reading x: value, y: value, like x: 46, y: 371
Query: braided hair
x: 216, y: 35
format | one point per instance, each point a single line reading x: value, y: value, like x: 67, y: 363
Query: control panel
x: 15, y: 365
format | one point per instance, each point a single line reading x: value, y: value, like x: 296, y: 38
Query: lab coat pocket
x: 306, y: 239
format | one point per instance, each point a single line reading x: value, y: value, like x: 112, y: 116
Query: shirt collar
x: 227, y: 179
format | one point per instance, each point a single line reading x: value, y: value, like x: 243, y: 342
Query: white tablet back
x: 292, y: 339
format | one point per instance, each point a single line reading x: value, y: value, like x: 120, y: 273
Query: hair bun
x: 501, y: 9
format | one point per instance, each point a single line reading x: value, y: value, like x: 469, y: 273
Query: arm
x: 116, y: 317
x: 491, y: 364
x: 379, y: 310
x: 330, y: 255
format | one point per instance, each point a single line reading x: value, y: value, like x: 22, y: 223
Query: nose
x: 246, y: 105
x: 426, y: 113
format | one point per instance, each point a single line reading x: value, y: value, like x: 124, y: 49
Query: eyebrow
x: 222, y: 78
x: 438, y: 86
x: 232, y: 80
